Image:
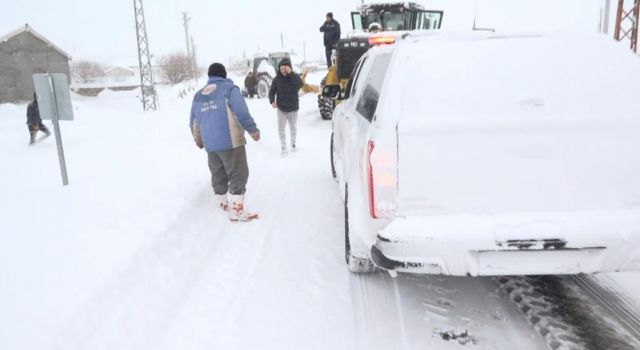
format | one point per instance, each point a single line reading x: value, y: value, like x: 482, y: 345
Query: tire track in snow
x: 169, y: 270
x: 360, y: 304
x: 257, y: 250
x: 625, y: 312
x: 567, y: 317
x: 374, y: 295
x: 225, y: 281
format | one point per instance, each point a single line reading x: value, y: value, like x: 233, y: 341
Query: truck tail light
x: 382, y: 181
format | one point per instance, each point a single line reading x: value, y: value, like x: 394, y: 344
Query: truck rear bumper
x: 511, y: 244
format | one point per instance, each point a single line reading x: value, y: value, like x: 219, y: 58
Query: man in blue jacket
x: 331, y: 30
x: 219, y: 119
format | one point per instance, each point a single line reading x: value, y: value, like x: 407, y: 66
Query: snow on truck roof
x: 480, y: 76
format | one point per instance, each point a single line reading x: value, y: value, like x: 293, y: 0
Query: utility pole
x: 607, y: 14
x: 282, y: 39
x: 189, y: 42
x: 147, y: 84
x: 185, y: 23
x: 193, y: 59
x: 304, y: 51
x: 627, y: 23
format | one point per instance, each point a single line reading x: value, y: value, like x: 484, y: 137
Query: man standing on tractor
x: 283, y: 95
x: 331, y: 30
x: 219, y: 119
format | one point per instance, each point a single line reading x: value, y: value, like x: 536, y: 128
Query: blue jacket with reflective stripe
x: 219, y: 115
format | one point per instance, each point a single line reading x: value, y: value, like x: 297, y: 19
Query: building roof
x: 125, y: 68
x: 26, y: 28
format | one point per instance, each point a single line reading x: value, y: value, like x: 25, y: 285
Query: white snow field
x: 134, y: 255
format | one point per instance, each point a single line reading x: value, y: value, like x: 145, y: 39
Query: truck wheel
x: 333, y: 164
x: 355, y: 264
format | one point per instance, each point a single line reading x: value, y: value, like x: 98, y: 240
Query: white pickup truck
x: 484, y: 154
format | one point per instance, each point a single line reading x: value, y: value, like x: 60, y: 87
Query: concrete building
x: 23, y: 53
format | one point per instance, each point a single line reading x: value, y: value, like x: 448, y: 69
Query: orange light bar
x: 382, y: 40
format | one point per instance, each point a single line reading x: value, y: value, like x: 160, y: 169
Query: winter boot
x: 283, y: 150
x: 32, y: 138
x: 222, y: 203
x: 237, y: 212
x: 293, y: 147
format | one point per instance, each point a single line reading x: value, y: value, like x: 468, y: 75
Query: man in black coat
x: 283, y: 95
x: 331, y: 30
x: 34, y: 123
x: 250, y: 84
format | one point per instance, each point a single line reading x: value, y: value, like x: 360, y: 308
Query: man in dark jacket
x: 283, y: 95
x: 34, y: 123
x: 250, y: 84
x: 331, y: 30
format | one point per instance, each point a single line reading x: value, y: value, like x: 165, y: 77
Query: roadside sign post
x: 54, y: 103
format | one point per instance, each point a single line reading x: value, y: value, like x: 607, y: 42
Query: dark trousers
x: 229, y: 171
x: 328, y: 52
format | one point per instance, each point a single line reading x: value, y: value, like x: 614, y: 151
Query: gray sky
x: 105, y: 31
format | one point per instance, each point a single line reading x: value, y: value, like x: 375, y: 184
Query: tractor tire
x: 325, y: 105
x: 263, y: 86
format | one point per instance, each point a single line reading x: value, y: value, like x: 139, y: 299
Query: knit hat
x: 330, y: 15
x: 217, y: 70
x: 285, y: 62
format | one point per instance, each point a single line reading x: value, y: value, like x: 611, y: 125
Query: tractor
x: 373, y: 24
x: 264, y: 69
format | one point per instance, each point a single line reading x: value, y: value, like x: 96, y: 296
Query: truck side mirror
x: 332, y: 91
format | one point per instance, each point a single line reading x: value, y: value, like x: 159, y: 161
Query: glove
x: 197, y: 137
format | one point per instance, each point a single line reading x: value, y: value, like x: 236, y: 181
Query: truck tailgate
x: 517, y: 166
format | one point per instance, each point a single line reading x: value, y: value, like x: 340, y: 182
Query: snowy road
x: 133, y: 255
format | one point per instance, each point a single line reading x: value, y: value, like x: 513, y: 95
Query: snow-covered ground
x: 134, y: 255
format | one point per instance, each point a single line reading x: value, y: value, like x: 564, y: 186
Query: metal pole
x: 634, y: 30
x: 56, y: 130
x: 185, y: 20
x: 607, y: 14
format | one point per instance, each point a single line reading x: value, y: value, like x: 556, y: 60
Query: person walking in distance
x: 283, y: 95
x: 34, y: 122
x: 219, y: 119
x: 331, y: 30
